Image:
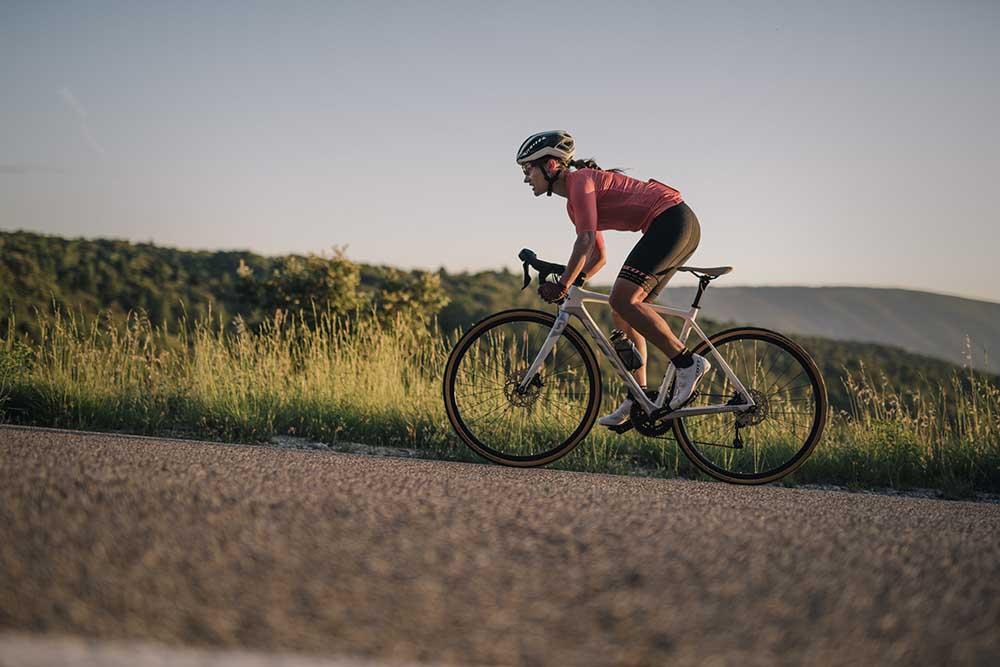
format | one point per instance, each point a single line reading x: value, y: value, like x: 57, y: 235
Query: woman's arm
x: 588, y: 251
x: 583, y: 248
x: 598, y: 257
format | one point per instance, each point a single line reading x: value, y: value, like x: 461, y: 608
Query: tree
x: 296, y: 284
x: 414, y: 293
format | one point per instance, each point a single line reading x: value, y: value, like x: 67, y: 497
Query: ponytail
x: 590, y: 164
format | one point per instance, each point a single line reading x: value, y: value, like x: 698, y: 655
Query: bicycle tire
x: 814, y: 405
x: 475, y: 438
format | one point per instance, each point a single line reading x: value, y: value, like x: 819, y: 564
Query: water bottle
x: 626, y: 350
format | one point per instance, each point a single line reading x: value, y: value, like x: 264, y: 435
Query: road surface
x: 191, y: 544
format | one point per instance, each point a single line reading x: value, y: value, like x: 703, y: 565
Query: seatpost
x: 702, y: 284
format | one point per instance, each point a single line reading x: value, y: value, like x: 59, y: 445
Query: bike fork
x: 546, y: 349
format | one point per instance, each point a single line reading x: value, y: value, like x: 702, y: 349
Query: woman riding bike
x: 607, y: 199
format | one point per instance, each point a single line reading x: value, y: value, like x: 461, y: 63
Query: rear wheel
x: 774, y: 437
x: 497, y: 419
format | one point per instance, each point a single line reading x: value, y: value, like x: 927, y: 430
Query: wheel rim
x: 775, y: 436
x: 521, y: 426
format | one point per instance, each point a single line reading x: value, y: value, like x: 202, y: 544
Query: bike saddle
x: 711, y: 273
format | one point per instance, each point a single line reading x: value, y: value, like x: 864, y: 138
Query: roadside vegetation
x: 108, y: 335
x: 373, y: 376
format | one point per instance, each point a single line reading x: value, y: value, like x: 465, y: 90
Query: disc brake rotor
x: 522, y: 398
x: 757, y: 413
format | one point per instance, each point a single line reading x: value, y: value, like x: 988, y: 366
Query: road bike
x: 523, y: 388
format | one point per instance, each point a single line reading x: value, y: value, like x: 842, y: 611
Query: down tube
x: 635, y: 391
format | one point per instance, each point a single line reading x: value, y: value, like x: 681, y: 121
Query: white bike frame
x: 573, y: 305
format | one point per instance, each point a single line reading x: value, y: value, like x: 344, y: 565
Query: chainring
x: 644, y: 424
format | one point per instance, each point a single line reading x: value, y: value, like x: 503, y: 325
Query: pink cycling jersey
x: 600, y: 200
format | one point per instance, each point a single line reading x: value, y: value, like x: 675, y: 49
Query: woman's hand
x: 552, y: 292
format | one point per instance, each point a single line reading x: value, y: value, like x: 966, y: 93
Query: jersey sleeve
x: 582, y: 197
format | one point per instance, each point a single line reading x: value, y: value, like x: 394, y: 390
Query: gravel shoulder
x: 317, y: 553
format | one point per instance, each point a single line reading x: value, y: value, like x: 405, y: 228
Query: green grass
x: 367, y: 380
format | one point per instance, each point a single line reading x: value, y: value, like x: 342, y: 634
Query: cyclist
x: 601, y: 199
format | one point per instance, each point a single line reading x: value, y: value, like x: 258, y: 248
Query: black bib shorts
x: 669, y: 241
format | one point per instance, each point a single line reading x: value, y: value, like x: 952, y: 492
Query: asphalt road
x: 195, y: 544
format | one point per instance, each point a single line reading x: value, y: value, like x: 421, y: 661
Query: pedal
x: 621, y: 428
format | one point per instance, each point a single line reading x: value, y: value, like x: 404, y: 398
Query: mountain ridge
x: 925, y: 323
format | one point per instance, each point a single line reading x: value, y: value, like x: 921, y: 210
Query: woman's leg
x: 627, y: 302
x: 623, y: 310
x: 670, y: 240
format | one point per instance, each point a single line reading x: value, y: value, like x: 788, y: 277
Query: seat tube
x: 686, y: 329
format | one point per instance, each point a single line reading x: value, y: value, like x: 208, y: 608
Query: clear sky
x: 820, y: 143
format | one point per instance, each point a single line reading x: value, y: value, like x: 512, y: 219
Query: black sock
x: 682, y: 360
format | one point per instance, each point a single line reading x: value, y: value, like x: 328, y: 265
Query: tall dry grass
x: 365, y: 379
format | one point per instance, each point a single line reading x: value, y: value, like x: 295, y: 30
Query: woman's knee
x: 625, y: 297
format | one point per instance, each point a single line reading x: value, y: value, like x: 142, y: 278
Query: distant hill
x: 929, y: 324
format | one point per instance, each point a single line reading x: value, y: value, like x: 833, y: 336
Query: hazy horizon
x: 820, y: 146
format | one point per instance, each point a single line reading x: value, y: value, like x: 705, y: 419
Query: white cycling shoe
x: 619, y: 416
x: 687, y: 379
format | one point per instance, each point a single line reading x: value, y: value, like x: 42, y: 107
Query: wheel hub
x: 522, y: 398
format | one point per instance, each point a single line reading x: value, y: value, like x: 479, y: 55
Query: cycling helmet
x: 555, y: 143
x: 551, y: 143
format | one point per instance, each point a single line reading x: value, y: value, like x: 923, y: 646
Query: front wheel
x: 773, y: 438
x: 513, y: 426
